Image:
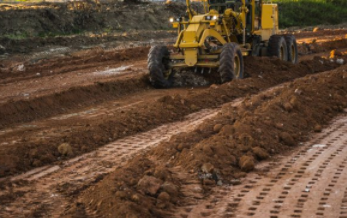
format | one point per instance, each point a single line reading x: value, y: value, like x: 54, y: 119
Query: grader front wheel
x: 159, y: 74
x: 231, y: 62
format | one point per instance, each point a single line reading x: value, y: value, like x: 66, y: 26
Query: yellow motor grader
x: 219, y: 38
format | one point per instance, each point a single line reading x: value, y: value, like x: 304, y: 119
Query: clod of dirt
x: 121, y: 194
x: 246, y: 163
x: 217, y: 127
x: 208, y: 182
x: 214, y: 86
x: 227, y: 130
x: 317, y: 128
x: 207, y: 148
x: 193, y: 107
x: 164, y: 197
x: 65, y: 149
x: 246, y: 140
x: 288, y: 106
x: 161, y: 173
x: 135, y: 198
x: 260, y: 153
x: 316, y: 29
x: 149, y: 185
x: 287, y: 139
x: 207, y: 168
x: 182, y: 146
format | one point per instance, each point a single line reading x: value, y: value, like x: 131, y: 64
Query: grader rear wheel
x: 292, y: 48
x: 231, y: 62
x: 277, y: 47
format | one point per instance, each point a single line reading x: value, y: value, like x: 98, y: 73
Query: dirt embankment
x: 319, y: 32
x: 221, y: 149
x: 28, y: 152
x: 61, y: 101
x: 14, y: 71
x: 28, y: 28
x: 319, y: 47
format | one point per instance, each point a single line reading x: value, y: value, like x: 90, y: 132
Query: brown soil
x: 76, y: 61
x: 86, y: 135
x: 329, y: 46
x: 320, y: 33
x: 57, y: 99
x: 271, y: 122
x: 100, y: 101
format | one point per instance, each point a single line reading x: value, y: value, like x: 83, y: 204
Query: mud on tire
x: 277, y: 47
x: 231, y: 62
x: 292, y: 49
x: 158, y: 67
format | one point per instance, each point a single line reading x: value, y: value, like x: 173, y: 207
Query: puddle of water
x: 63, y: 117
x: 318, y: 146
x: 113, y: 71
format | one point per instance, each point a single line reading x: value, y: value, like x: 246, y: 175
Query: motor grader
x: 219, y: 38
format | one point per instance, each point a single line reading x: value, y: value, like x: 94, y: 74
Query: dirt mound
x: 320, y: 32
x: 323, y: 47
x: 53, y: 19
x: 32, y: 27
x: 224, y: 147
x: 69, y: 100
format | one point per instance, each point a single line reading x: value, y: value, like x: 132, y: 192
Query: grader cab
x: 219, y: 39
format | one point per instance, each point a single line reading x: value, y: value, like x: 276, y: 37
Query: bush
x: 311, y: 12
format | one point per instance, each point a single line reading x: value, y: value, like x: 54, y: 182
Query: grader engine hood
x: 190, y: 40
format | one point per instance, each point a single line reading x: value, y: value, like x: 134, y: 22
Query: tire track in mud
x: 43, y: 193
x: 310, y: 182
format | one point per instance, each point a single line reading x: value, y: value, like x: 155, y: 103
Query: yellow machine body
x: 202, y: 35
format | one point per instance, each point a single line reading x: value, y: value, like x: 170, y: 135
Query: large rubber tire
x: 292, y: 48
x: 231, y: 64
x: 158, y: 66
x: 277, y: 47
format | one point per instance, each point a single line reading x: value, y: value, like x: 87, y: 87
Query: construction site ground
x: 83, y: 134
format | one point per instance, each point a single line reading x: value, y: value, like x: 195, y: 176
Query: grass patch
x: 17, y: 36
x: 311, y: 12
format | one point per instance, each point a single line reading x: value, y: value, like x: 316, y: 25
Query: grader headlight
x: 175, y: 22
x: 212, y: 19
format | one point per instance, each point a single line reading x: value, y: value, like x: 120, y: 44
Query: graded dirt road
x: 101, y: 106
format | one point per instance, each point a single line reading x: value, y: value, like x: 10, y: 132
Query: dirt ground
x: 83, y: 134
